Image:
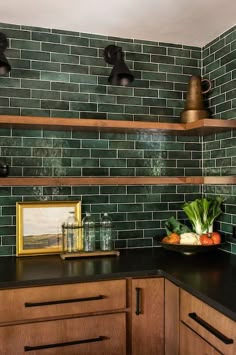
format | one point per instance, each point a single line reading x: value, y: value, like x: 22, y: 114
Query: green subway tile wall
x: 219, y: 150
x: 63, y: 74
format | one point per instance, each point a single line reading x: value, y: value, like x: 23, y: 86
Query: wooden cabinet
x: 193, y: 344
x: 103, y: 335
x: 171, y: 318
x: 136, y: 316
x: 82, y: 318
x: 200, y: 321
x: 62, y: 300
x: 147, y: 316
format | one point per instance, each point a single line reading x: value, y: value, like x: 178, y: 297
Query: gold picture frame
x: 39, y: 226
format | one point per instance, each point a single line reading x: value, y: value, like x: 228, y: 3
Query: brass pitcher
x: 194, y: 107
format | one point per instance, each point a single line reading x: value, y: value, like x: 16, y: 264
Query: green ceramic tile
x: 46, y: 152
x: 147, y: 66
x: 58, y: 105
x: 6, y: 251
x: 51, y: 76
x: 84, y: 60
x: 154, y: 49
x: 85, y: 190
x: 45, y: 66
x: 92, y: 88
x: 31, y: 103
x: 34, y: 112
x: 161, y: 85
x: 95, y: 199
x: 130, y: 153
x: 35, y: 84
x: 128, y: 100
x: 139, y: 243
x: 14, y: 151
x: 102, y: 72
x: 74, y: 69
x: 46, y: 94
x: 5, y: 191
x: 168, y: 68
x: 74, y: 40
x: 95, y: 172
x: 117, y: 163
x: 129, y: 47
x: 77, y: 153
x: 85, y: 162
x: 187, y: 62
x: 122, y: 172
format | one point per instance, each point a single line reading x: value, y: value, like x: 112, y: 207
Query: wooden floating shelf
x: 200, y: 127
x: 137, y: 180
x: 89, y: 254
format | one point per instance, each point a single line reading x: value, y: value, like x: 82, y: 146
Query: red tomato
x: 205, y: 239
x: 216, y: 237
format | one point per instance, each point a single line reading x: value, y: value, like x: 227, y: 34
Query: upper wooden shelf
x: 201, y: 127
x: 136, y: 180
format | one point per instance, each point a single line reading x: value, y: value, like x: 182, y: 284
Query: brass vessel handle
x: 209, y: 83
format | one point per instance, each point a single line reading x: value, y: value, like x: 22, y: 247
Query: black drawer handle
x: 211, y: 329
x: 69, y: 343
x: 48, y: 303
x: 138, y: 301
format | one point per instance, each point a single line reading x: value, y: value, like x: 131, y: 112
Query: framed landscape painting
x: 39, y: 226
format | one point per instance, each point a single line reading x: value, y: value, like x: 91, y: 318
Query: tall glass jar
x: 106, y: 233
x: 71, y: 234
x: 88, y: 233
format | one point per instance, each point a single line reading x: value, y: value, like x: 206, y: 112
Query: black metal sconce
x: 4, y: 65
x: 120, y: 74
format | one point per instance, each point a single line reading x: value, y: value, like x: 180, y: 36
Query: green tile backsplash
x: 63, y: 74
x: 219, y: 150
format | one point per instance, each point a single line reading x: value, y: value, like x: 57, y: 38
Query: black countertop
x: 211, y: 277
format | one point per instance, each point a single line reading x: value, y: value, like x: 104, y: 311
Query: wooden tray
x: 89, y: 254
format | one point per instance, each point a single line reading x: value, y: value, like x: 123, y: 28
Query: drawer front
x: 92, y: 335
x: 211, y: 325
x: 191, y: 343
x: 58, y: 300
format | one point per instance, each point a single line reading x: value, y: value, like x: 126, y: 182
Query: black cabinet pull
x: 138, y: 301
x: 48, y: 303
x: 69, y: 343
x: 211, y: 329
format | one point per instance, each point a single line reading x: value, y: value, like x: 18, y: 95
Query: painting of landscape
x: 40, y: 226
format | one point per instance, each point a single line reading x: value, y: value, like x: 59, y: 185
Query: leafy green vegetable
x: 203, y: 212
x: 173, y: 226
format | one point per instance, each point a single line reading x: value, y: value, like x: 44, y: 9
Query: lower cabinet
x: 103, y: 335
x: 171, y: 323
x: 79, y: 319
x: 203, y: 327
x: 133, y: 316
x: 147, y: 316
x: 193, y: 344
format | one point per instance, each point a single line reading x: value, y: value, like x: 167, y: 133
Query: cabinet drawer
x: 92, y: 335
x: 191, y: 343
x: 58, y: 300
x: 211, y: 325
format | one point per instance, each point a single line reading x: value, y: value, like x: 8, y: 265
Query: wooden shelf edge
x: 82, y: 181
x: 203, y: 126
x: 219, y: 180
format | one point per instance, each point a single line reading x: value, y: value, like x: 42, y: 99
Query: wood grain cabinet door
x: 211, y: 325
x: 61, y: 300
x: 94, y: 335
x: 171, y: 318
x: 147, y: 319
x: 193, y: 344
